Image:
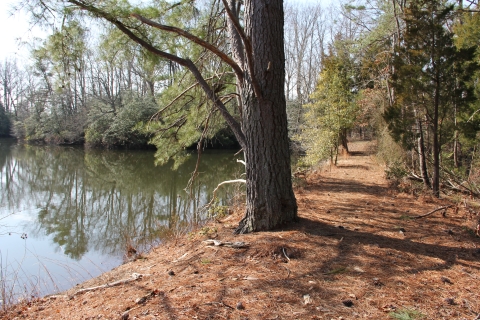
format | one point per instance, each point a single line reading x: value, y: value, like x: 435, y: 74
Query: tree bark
x: 270, y: 198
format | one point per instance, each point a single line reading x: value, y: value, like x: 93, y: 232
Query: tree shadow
x: 356, y: 237
x: 386, y: 262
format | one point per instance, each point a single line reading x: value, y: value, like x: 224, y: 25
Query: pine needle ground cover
x: 356, y: 253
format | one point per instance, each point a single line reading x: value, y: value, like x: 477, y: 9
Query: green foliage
x: 396, y: 171
x: 332, y: 112
x: 467, y: 37
x: 425, y: 87
x: 207, y: 231
x: 186, y: 117
x: 434, y: 86
x: 116, y: 127
x: 217, y: 210
x: 389, y: 151
x: 406, y: 314
x: 50, y: 127
x: 56, y: 112
x: 467, y: 31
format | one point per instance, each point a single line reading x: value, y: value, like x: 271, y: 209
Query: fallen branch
x: 432, y: 212
x: 135, y: 277
x: 466, y: 190
x: 414, y: 177
x: 218, y: 243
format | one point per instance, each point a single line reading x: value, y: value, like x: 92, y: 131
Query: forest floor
x: 356, y: 253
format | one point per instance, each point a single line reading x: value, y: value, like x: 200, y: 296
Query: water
x: 67, y: 214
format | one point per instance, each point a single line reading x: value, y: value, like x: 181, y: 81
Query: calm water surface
x: 67, y: 214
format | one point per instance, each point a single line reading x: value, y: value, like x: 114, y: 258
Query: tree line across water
x: 406, y: 71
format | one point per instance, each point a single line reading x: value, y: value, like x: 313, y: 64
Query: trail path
x: 353, y: 255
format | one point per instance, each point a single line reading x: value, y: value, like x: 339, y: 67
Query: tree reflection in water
x: 96, y: 199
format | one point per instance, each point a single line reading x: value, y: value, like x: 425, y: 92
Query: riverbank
x: 356, y: 253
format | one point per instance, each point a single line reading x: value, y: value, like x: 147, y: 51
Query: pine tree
x: 429, y: 81
x: 332, y: 111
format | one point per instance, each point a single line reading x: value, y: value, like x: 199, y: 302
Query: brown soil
x: 354, y: 254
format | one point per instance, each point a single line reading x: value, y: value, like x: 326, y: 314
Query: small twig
x: 470, y: 275
x: 431, y: 212
x: 199, y: 148
x: 222, y: 303
x: 285, y: 254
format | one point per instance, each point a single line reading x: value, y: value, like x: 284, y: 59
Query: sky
x: 15, y: 29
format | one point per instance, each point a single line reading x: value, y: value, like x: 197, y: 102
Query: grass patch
x: 207, y: 231
x: 406, y: 314
x: 337, y: 270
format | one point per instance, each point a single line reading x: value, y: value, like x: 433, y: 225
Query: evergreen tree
x: 467, y: 37
x: 430, y: 81
x: 332, y: 111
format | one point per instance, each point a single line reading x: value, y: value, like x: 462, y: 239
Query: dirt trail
x: 354, y: 254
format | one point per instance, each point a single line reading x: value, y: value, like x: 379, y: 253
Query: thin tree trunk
x: 421, y: 157
x: 436, y: 142
x: 456, y: 147
x: 344, y: 140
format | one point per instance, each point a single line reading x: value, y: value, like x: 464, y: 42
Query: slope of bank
x: 356, y: 253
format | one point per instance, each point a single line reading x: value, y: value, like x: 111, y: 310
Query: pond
x: 68, y: 213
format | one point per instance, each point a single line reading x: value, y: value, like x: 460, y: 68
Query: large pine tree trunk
x: 270, y: 198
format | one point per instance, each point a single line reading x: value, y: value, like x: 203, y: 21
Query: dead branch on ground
x: 134, y: 277
x: 433, y: 211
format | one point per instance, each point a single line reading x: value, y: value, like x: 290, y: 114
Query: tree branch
x: 234, y: 125
x: 191, y: 37
x: 158, y: 113
x: 221, y: 184
x: 187, y: 63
